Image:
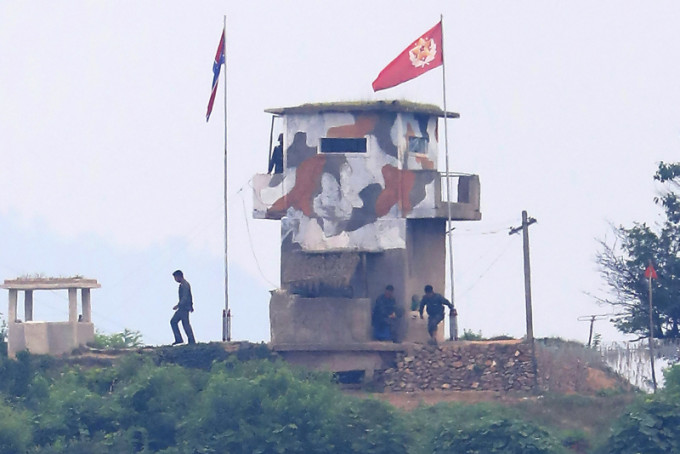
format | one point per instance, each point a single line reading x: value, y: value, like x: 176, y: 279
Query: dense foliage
x: 623, y: 261
x: 179, y: 400
x: 148, y: 404
x: 651, y: 425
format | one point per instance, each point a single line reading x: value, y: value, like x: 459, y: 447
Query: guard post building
x: 361, y: 205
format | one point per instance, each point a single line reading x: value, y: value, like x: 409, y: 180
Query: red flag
x: 422, y: 55
x: 650, y: 273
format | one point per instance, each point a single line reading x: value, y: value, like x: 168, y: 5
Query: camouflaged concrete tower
x: 361, y: 205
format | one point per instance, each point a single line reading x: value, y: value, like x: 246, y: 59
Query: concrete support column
x: 87, y: 308
x: 12, y: 309
x: 28, y: 305
x: 72, y: 305
x: 73, y: 314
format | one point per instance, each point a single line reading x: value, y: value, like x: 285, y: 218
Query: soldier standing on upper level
x: 276, y: 161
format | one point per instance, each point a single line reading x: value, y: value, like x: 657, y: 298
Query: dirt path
x: 409, y: 401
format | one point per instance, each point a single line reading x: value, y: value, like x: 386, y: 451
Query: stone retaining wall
x: 489, y: 366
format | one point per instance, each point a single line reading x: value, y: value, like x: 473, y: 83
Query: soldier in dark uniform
x: 182, y: 309
x: 435, y: 310
x: 276, y: 161
x: 385, y: 316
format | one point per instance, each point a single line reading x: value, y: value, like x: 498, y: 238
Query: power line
x: 493, y: 228
x: 250, y: 243
x: 481, y: 259
x: 491, y: 265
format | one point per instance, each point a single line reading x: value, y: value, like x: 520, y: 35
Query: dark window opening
x: 349, y: 377
x: 335, y: 145
x: 418, y: 144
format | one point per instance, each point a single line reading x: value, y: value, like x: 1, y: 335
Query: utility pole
x: 526, y: 222
x: 591, y: 318
x: 524, y: 228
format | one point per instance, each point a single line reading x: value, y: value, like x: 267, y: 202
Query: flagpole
x: 453, y: 318
x: 226, y: 324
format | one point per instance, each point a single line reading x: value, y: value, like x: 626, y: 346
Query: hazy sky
x: 109, y: 169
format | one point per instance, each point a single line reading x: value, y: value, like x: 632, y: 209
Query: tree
x: 650, y: 425
x: 622, y: 264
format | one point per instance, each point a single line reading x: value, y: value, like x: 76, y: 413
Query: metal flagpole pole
x: 226, y: 317
x: 449, y: 230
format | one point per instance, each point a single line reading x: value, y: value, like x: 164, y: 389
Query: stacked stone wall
x: 488, y: 366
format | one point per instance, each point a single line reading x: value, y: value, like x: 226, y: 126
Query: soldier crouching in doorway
x: 386, y: 316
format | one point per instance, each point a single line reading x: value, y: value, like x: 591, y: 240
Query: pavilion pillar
x: 72, y: 305
x: 87, y: 308
x: 12, y: 309
x: 28, y: 305
x: 73, y: 314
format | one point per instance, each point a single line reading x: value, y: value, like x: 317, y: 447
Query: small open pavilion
x: 49, y: 338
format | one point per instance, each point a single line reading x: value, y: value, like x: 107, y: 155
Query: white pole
x: 226, y: 329
x: 449, y: 231
x: 651, y: 331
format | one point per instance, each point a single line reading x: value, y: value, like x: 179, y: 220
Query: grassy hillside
x: 203, y: 399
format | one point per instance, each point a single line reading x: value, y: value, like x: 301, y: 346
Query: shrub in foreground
x: 482, y: 428
x: 651, y: 424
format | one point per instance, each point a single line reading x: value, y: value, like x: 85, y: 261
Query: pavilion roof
x: 49, y: 283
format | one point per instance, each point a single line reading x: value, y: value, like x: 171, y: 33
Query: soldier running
x: 435, y: 310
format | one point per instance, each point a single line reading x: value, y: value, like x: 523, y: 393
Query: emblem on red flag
x: 423, y: 52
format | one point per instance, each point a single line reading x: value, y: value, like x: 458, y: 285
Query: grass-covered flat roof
x: 49, y: 283
x: 364, y: 106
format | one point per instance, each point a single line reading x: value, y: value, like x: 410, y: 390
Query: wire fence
x: 631, y: 360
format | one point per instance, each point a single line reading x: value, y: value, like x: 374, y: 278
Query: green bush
x: 576, y: 440
x: 672, y: 382
x: 157, y: 401
x: 15, y: 430
x: 16, y: 375
x: 496, y: 435
x: 125, y: 339
x: 469, y: 335
x: 651, y: 425
x: 370, y: 426
x: 72, y: 412
x: 482, y: 428
x: 261, y: 407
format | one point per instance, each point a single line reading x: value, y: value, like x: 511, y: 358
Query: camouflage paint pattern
x: 352, y: 201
